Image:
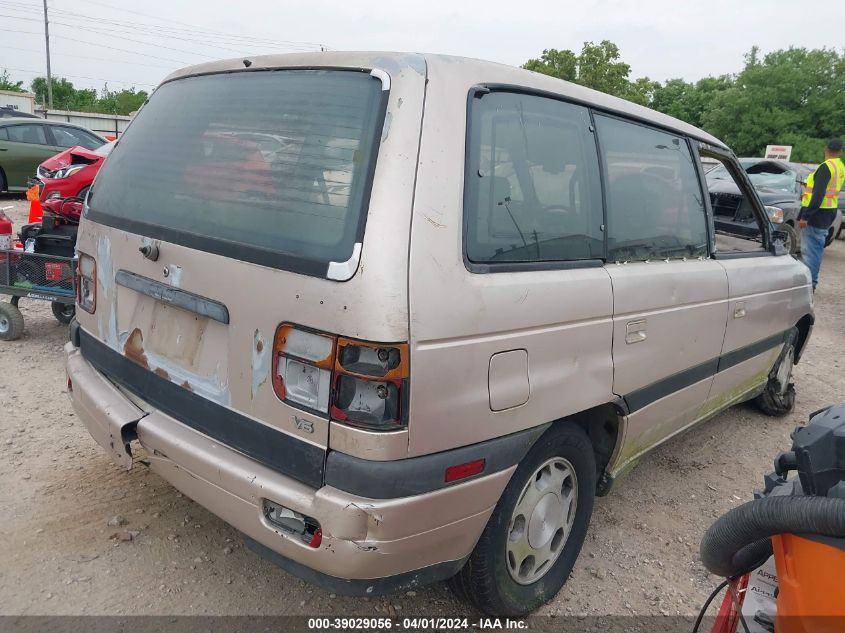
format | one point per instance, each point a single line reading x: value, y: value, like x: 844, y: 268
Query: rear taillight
x: 370, y: 385
x: 357, y: 383
x: 86, y: 283
x: 302, y: 367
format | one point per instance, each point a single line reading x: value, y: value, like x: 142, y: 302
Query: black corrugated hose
x: 738, y: 542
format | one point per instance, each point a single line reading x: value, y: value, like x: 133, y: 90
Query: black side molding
x: 417, y: 475
x: 174, y: 296
x: 644, y: 396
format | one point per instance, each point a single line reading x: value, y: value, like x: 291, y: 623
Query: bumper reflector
x: 463, y: 471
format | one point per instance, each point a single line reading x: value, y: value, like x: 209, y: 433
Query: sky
x: 124, y: 43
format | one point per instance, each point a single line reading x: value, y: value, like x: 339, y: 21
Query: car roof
x: 28, y: 121
x: 473, y: 70
x: 780, y: 163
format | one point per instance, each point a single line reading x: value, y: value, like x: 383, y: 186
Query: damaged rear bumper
x: 369, y: 546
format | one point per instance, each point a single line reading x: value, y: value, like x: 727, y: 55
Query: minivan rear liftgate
x: 211, y: 230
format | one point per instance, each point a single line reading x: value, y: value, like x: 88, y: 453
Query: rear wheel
x: 11, y: 322
x: 535, y: 534
x: 64, y: 312
x: 778, y: 397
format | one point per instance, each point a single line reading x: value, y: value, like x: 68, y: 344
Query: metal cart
x: 35, y: 276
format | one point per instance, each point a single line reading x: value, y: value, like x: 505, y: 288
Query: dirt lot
x: 58, y: 492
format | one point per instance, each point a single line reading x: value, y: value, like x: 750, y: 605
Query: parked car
x: 25, y: 143
x: 778, y: 184
x: 439, y: 337
x: 7, y: 112
x: 70, y: 173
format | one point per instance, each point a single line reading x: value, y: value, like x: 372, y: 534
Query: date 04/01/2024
x: 411, y: 624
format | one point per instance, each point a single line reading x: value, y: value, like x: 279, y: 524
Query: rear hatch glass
x: 271, y: 167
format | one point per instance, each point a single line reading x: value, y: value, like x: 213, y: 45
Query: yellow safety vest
x: 831, y: 196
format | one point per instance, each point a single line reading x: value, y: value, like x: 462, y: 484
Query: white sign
x: 760, y: 595
x: 778, y: 152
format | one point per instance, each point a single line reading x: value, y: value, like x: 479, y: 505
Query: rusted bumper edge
x: 369, y: 546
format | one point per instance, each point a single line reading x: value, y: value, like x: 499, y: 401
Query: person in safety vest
x: 819, y: 202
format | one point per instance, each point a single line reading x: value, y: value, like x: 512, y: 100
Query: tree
x: 65, y: 95
x: 598, y: 66
x: 793, y: 96
x: 68, y: 97
x: 120, y: 102
x: 688, y: 101
x: 6, y: 83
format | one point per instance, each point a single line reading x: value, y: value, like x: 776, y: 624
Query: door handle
x: 739, y: 310
x: 635, y: 331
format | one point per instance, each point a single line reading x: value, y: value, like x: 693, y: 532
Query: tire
x: 64, y: 312
x: 793, y: 241
x: 778, y: 397
x: 562, y: 461
x: 83, y: 192
x: 11, y: 322
x: 2, y: 181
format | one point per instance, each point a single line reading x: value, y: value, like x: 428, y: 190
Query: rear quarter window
x: 532, y: 186
x: 272, y: 167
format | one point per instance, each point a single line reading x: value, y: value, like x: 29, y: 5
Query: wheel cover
x: 68, y: 309
x: 542, y: 520
x: 4, y: 324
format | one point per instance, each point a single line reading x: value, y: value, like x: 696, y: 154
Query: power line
x: 169, y: 20
x: 225, y: 37
x: 107, y: 34
x: 98, y: 44
x: 117, y: 81
x: 99, y: 59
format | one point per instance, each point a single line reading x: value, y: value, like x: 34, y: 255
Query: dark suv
x: 778, y: 184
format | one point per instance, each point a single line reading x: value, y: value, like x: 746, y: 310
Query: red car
x: 70, y: 173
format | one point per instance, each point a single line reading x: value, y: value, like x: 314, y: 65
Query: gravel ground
x: 59, y: 492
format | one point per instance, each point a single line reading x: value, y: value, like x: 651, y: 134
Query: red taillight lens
x: 463, y: 471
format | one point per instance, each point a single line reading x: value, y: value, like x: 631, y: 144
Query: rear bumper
x: 369, y: 545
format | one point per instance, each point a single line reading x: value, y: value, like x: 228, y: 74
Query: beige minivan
x: 398, y: 318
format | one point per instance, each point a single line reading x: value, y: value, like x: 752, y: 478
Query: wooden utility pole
x: 47, y: 42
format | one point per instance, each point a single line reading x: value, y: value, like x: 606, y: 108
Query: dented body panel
x: 184, y: 348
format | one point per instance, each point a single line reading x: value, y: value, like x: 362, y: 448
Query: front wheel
x: 778, y: 397
x: 793, y: 241
x: 535, y: 534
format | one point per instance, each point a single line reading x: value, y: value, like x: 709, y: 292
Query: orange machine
x: 801, y: 522
x: 811, y: 584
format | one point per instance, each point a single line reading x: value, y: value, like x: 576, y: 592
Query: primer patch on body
x: 260, y: 362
